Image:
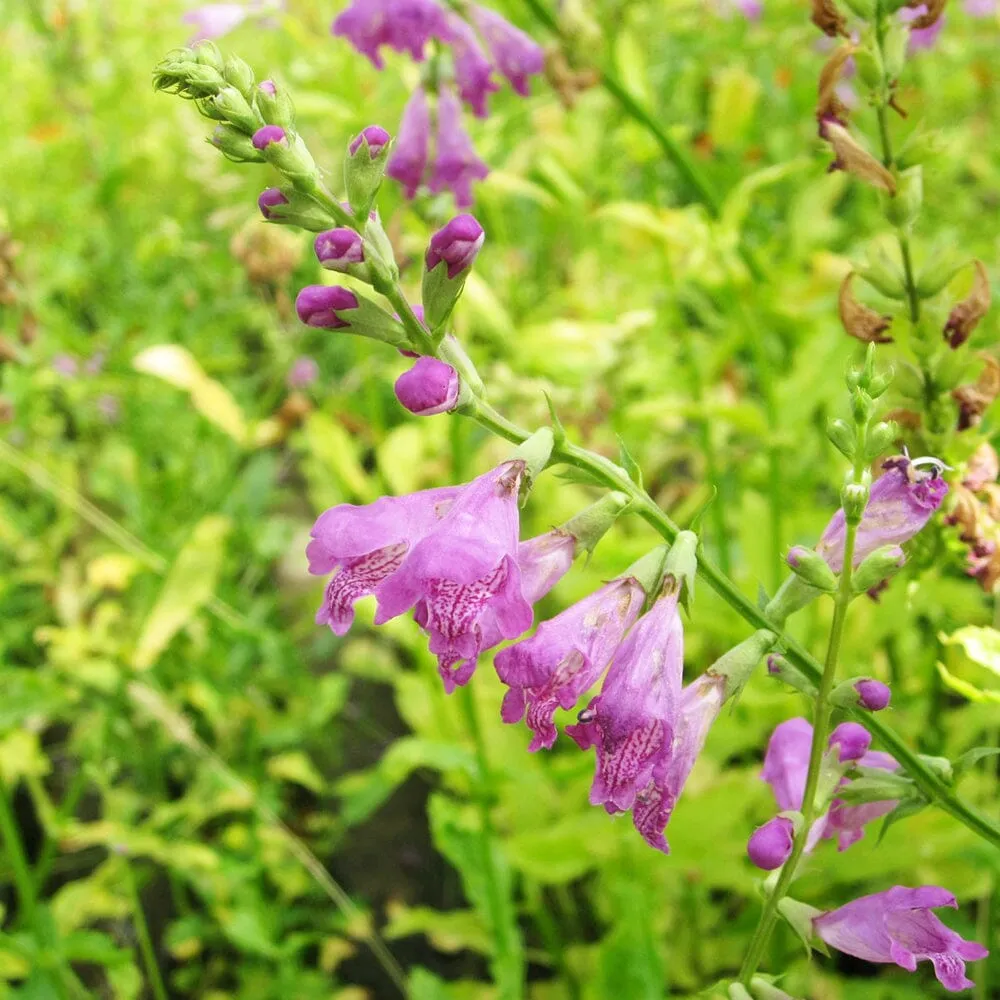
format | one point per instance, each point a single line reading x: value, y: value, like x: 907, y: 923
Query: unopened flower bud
x: 861, y: 692
x: 880, y: 565
x: 902, y: 210
x: 269, y: 200
x: 854, y: 500
x: 869, y: 66
x: 843, y: 436
x: 682, y: 563
x: 779, y: 668
x: 321, y: 305
x: 340, y: 250
x: 737, y: 665
x: 591, y: 524
x: 231, y: 104
x: 450, y: 255
x: 965, y: 316
x: 429, y: 387
x: 880, y: 437
x: 939, y: 270
x: 894, y: 45
x: 924, y: 148
x: 269, y: 135
x: 374, y: 138
x: 267, y: 87
x: 737, y: 991
x: 763, y: 990
x: 859, y: 321
x: 852, y: 741
x: 883, y: 274
x: 274, y: 104
x: 877, y: 384
x: 206, y: 53
x: 771, y: 844
x: 811, y: 567
x: 235, y: 145
x: 239, y: 75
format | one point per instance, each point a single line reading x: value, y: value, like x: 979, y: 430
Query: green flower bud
x: 239, y: 75
x: 793, y: 595
x: 682, y: 563
x: 590, y: 525
x: 235, y: 145
x: 739, y: 663
x: 922, y: 148
x: 230, y: 103
x: 207, y: 53
x: 763, y: 990
x: 895, y: 41
x: 902, y: 210
x: 535, y: 453
x: 844, y: 439
x: 880, y: 437
x: 879, y: 383
x: 811, y: 567
x: 863, y: 8
x: 875, y: 785
x: 941, y: 766
x: 862, y: 406
x: 738, y: 992
x: 854, y: 500
x: 937, y: 273
x: 883, y: 274
x: 779, y: 668
x: 879, y: 565
x: 869, y: 67
x: 364, y: 167
x: 274, y: 104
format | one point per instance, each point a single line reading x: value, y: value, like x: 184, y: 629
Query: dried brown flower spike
x: 859, y: 321
x: 965, y: 315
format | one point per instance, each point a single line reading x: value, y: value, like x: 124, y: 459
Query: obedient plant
x: 452, y: 557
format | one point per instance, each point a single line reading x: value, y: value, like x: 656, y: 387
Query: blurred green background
x: 184, y: 753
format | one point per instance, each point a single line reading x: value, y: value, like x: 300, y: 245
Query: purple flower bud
x: 852, y: 741
x: 408, y: 162
x: 795, y: 555
x: 429, y: 387
x: 456, y: 165
x: 376, y: 138
x: 516, y: 54
x: 337, y: 248
x: 267, y: 135
x: 319, y: 305
x: 771, y: 844
x: 897, y: 926
x: 457, y: 243
x: 303, y: 373
x: 270, y: 198
x: 874, y: 695
x: 268, y: 87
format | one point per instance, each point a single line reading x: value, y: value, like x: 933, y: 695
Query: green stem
x: 674, y: 152
x: 142, y: 931
x: 821, y: 731
x: 504, y: 945
x: 23, y: 879
x: 609, y: 474
x: 548, y: 928
x: 912, y: 297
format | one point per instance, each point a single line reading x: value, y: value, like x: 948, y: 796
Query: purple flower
x: 873, y: 695
x: 374, y: 136
x: 429, y: 387
x: 336, y: 249
x: 848, y: 822
x: 456, y: 165
x: 303, y: 373
x: 109, y: 407
x: 320, y: 305
x: 269, y: 199
x: 213, y: 20
x: 267, y: 135
x: 897, y: 926
x: 364, y: 546
x: 516, y: 54
x: 66, y: 364
x: 771, y: 844
x: 566, y: 656
x: 473, y: 71
x: 457, y: 243
x: 463, y: 568
x: 921, y: 38
x: 786, y: 762
x: 980, y: 8
x: 408, y: 162
x: 901, y: 503
x: 852, y: 741
x: 700, y: 703
x: 404, y: 25
x: 631, y: 723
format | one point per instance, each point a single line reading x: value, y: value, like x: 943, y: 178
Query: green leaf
x: 448, y: 931
x: 189, y: 585
x: 972, y: 757
x: 629, y: 464
x: 295, y: 766
x: 981, y: 645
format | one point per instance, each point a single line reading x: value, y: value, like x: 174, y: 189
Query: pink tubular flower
x: 458, y: 243
x: 267, y: 135
x: 408, y: 162
x: 303, y: 373
x: 270, y: 199
x: 566, y: 656
x: 404, y: 25
x: 456, y: 165
x: 786, y: 762
x: 848, y: 822
x: 631, y: 723
x: 771, y: 844
x: 699, y: 705
x: 516, y: 54
x: 852, y: 741
x: 473, y: 71
x: 921, y: 38
x: 463, y: 568
x: 321, y: 305
x: 337, y: 248
x: 364, y: 546
x: 902, y: 502
x: 429, y: 387
x: 213, y: 20
x: 980, y: 8
x: 897, y: 926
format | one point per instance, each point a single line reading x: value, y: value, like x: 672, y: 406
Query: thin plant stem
x: 821, y: 730
x: 484, y: 799
x: 142, y: 932
x: 23, y: 879
x: 548, y: 928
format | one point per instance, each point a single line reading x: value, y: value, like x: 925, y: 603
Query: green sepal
x: 843, y: 437
x: 276, y: 108
x: 648, y: 570
x: 238, y: 74
x: 629, y: 464
x: 372, y: 321
x: 363, y: 175
x: 793, y: 595
x: 439, y: 293
x: 738, y: 664
x: 234, y: 145
x: 800, y: 916
x: 535, y: 453
x: 231, y: 104
x: 682, y: 564
x: 972, y: 757
x: 592, y: 524
x: 903, y: 210
x: 873, y: 784
x: 880, y: 437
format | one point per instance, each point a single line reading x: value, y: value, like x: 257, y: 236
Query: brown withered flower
x: 859, y: 321
x: 974, y: 399
x: 854, y: 158
x: 828, y: 18
x: 830, y: 106
x: 976, y: 512
x: 935, y: 8
x: 965, y: 315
